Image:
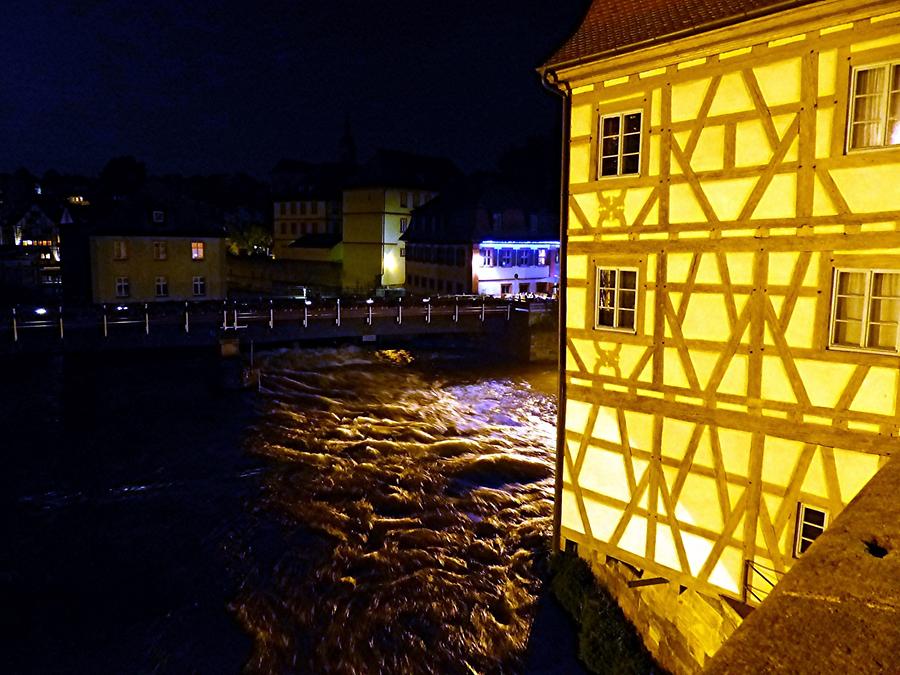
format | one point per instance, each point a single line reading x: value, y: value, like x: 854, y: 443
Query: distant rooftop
x: 616, y: 26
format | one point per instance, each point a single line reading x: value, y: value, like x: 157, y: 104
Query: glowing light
x: 895, y: 134
x: 40, y: 311
x: 369, y: 301
x: 519, y: 243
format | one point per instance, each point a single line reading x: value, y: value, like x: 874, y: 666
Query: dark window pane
x: 610, y: 146
x: 804, y: 545
x: 885, y: 311
x: 610, y: 126
x: 609, y: 166
x: 606, y: 298
x: 605, y: 317
x: 811, y: 531
x: 852, y: 283
x: 883, y: 336
x: 630, y: 164
x: 632, y: 123
x: 626, y: 319
x: 886, y: 285
x: 627, y: 299
x: 629, y: 279
x: 849, y: 308
x: 631, y: 143
x: 814, y: 516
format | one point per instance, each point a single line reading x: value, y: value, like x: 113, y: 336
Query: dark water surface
x: 367, y: 511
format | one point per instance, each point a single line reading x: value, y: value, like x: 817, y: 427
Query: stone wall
x: 682, y: 629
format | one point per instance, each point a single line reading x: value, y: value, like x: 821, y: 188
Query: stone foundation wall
x: 682, y: 629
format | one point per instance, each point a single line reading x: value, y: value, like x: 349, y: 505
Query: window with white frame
x: 403, y: 224
x: 123, y: 289
x: 199, y: 284
x: 160, y: 250
x: 620, y: 144
x: 524, y: 257
x: 542, y: 257
x: 120, y: 250
x: 488, y: 257
x: 615, y: 301
x: 198, y: 249
x: 507, y: 257
x: 162, y: 287
x: 865, y: 310
x: 811, y: 522
x: 875, y: 107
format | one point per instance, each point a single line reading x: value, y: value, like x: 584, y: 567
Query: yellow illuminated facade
x: 374, y: 218
x: 732, y: 291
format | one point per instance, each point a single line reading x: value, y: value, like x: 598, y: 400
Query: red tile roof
x: 615, y: 26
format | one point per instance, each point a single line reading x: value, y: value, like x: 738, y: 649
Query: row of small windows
x: 874, y: 121
x: 299, y: 228
x: 294, y: 207
x: 522, y: 257
x: 161, y: 286
x: 441, y: 255
x: 160, y: 250
x: 865, y: 307
x: 432, y: 284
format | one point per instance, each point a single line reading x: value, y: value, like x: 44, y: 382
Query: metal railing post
x: 224, y: 315
x: 508, y: 308
x: 427, y: 312
x: 105, y: 323
x: 482, y: 310
x: 187, y: 318
x: 271, y: 316
x: 146, y: 320
x: 234, y: 318
x: 337, y: 321
x: 369, y: 315
x: 14, y: 327
x: 400, y: 311
x: 61, y: 333
x: 456, y: 312
x: 305, y: 315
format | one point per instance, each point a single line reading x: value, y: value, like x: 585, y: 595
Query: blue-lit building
x: 483, y: 237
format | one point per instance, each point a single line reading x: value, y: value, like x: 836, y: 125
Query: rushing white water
x: 413, y: 498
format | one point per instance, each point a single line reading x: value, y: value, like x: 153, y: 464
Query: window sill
x: 862, y: 350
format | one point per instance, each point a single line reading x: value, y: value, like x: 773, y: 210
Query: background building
x: 732, y: 296
x: 148, y: 248
x: 483, y: 236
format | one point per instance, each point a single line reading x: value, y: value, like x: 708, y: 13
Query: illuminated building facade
x: 483, y: 237
x: 147, y: 251
x: 34, y: 232
x: 732, y: 292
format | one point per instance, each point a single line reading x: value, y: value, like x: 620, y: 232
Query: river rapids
x: 413, y: 497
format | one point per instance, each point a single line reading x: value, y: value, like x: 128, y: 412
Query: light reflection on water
x: 413, y: 500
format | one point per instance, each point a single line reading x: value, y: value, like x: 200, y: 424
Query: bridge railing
x: 237, y: 314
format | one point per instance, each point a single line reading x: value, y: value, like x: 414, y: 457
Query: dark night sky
x: 222, y: 86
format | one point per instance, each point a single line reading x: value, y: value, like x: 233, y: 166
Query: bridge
x: 59, y: 329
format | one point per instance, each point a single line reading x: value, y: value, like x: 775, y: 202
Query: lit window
x: 162, y: 287
x: 620, y: 144
x: 402, y: 252
x: 865, y: 309
x: 875, y: 107
x: 123, y: 289
x: 616, y: 298
x: 507, y: 257
x: 198, y: 250
x: 199, y: 286
x: 524, y: 257
x: 525, y: 287
x: 403, y: 224
x: 160, y: 250
x: 120, y: 250
x: 488, y: 257
x: 505, y: 289
x: 542, y: 257
x: 811, y: 523
x: 403, y: 199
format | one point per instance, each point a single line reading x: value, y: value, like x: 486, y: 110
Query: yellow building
x: 732, y: 289
x: 156, y: 253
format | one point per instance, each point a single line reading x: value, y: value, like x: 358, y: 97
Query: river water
x: 363, y: 511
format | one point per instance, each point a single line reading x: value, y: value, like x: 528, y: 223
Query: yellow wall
x: 690, y: 443
x: 142, y: 270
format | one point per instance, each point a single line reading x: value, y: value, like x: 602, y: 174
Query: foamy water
x: 412, y: 502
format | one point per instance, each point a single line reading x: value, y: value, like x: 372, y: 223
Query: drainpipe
x: 551, y: 82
